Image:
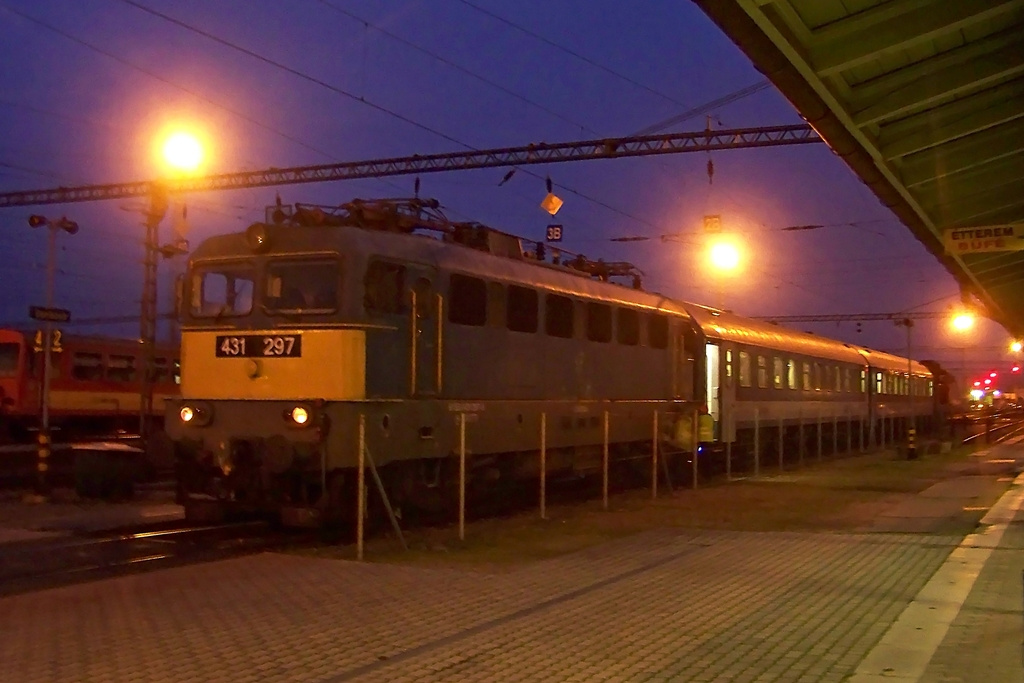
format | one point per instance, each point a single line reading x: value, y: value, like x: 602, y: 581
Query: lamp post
x: 912, y: 423
x: 42, y: 461
x: 724, y: 257
x: 182, y: 153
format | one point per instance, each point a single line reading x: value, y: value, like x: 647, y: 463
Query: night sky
x: 88, y: 86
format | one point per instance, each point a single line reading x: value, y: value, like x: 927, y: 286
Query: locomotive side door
x: 425, y: 311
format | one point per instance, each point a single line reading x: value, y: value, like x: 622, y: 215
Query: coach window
x: 744, y: 369
x: 121, y: 368
x: 839, y: 378
x: 628, y: 330
x: 222, y: 289
x: 177, y: 371
x: 762, y: 372
x: 657, y: 331
x: 160, y: 372
x: 806, y: 376
x: 599, y: 322
x: 846, y: 380
x: 791, y: 373
x: 467, y: 300
x: 88, y: 366
x: 384, y: 288
x: 522, y: 309
x: 9, y: 359
x: 878, y: 383
x: 777, y: 372
x: 817, y: 376
x: 558, y: 316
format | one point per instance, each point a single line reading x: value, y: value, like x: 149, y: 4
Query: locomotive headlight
x: 195, y: 415
x: 299, y: 415
x: 186, y: 413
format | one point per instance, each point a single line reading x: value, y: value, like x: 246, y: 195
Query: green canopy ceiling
x: 923, y: 99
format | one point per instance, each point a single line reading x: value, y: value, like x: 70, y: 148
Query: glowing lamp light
x: 977, y: 384
x: 988, y: 381
x: 186, y: 414
x: 183, y: 151
x: 963, y: 322
x: 992, y: 375
x: 976, y: 394
x: 1016, y: 347
x: 1015, y: 368
x: 996, y: 393
x: 300, y: 415
x: 724, y: 256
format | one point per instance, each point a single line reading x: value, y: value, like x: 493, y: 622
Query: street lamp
x: 724, y: 257
x: 962, y: 323
x: 42, y: 462
x: 182, y: 152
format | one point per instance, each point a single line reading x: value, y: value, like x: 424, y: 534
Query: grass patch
x: 839, y: 495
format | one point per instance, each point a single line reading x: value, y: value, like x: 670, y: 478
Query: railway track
x: 27, y: 566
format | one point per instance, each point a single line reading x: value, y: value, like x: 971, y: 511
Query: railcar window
x: 496, y: 305
x: 762, y: 372
x: 522, y: 309
x: 9, y: 359
x: 558, y: 316
x: 791, y: 373
x: 223, y: 289
x: 599, y: 323
x: 121, y: 368
x: 310, y: 286
x: 817, y: 376
x: 807, y: 376
x: 846, y: 380
x: 878, y: 383
x: 689, y: 342
x: 384, y: 288
x: 160, y: 370
x: 744, y: 369
x: 467, y: 300
x: 85, y: 365
x: 863, y: 381
x: 657, y: 331
x: 777, y: 372
x: 728, y: 364
x: 177, y: 371
x: 839, y: 378
x: 628, y: 330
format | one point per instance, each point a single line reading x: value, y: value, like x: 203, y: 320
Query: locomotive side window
x: 301, y: 286
x: 467, y: 300
x: 762, y: 372
x: 121, y: 368
x: 222, y: 290
x: 599, y: 323
x: 558, y: 316
x: 8, y: 359
x: 744, y: 369
x: 657, y: 331
x: 496, y: 305
x: 522, y: 309
x: 628, y: 331
x: 87, y: 366
x: 777, y: 372
x: 384, y: 288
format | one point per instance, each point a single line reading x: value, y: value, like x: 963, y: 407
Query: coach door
x: 425, y: 310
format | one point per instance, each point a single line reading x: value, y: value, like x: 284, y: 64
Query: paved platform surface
x: 662, y: 606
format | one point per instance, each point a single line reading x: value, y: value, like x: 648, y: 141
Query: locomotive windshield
x: 222, y: 289
x: 307, y: 286
x: 8, y: 359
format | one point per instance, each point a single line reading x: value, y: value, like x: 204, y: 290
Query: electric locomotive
x: 383, y: 326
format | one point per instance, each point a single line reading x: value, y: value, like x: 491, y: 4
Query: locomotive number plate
x: 259, y: 345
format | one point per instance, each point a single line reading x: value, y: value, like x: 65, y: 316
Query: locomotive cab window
x: 657, y: 331
x: 558, y: 316
x: 522, y: 309
x: 222, y: 289
x: 384, y: 288
x: 307, y: 286
x: 9, y: 359
x: 467, y: 300
x: 599, y: 323
x: 628, y: 330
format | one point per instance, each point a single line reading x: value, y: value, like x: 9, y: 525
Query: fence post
x: 360, y: 487
x: 654, y: 456
x: 462, y: 476
x: 604, y: 466
x: 695, y: 444
x: 782, y: 439
x: 543, y: 464
x: 757, y: 442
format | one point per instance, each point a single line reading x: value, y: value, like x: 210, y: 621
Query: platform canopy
x: 924, y: 99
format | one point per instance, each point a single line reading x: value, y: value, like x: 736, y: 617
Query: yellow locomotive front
x: 266, y: 344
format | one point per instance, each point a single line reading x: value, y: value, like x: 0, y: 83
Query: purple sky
x: 88, y: 84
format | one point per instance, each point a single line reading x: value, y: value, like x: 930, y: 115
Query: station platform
x: 664, y: 605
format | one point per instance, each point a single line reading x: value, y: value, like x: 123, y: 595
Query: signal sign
x: 55, y: 341
x: 50, y: 315
x: 554, y: 233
